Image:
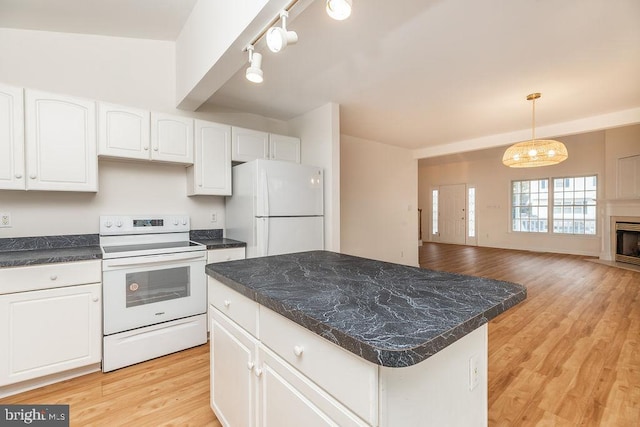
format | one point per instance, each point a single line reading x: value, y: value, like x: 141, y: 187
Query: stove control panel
x: 143, y: 224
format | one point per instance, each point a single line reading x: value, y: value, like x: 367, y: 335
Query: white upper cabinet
x: 284, y: 148
x: 251, y: 144
x: 60, y: 135
x: 11, y: 138
x: 123, y: 132
x: 211, y: 170
x: 171, y: 138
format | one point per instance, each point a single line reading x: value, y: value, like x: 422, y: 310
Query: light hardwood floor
x: 567, y: 356
x: 570, y: 354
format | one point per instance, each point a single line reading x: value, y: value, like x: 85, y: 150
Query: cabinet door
x: 60, y: 142
x: 249, y: 145
x: 288, y: 398
x: 284, y: 148
x: 171, y: 138
x: 49, y: 331
x: 11, y: 139
x: 233, y: 372
x: 211, y: 170
x: 123, y: 132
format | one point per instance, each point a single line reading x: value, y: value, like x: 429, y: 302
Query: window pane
x: 434, y: 211
x: 530, y: 206
x: 577, y: 196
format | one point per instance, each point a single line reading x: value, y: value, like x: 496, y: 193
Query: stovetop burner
x: 149, y: 247
x: 138, y: 235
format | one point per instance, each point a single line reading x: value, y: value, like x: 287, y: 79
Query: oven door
x: 145, y: 290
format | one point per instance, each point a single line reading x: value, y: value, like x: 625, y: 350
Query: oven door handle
x: 150, y: 260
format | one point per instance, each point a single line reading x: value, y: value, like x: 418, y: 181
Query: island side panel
x: 437, y: 391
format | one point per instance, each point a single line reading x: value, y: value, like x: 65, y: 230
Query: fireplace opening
x: 628, y: 242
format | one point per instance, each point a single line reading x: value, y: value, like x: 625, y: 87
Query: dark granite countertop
x: 21, y: 251
x: 389, y: 314
x: 222, y: 243
x: 213, y: 239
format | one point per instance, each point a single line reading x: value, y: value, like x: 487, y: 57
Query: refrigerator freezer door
x: 277, y: 236
x: 288, y: 189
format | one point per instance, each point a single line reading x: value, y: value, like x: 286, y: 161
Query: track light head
x: 278, y: 37
x: 339, y: 9
x: 254, y: 71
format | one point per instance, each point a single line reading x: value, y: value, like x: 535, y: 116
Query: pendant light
x: 535, y: 153
x: 339, y: 9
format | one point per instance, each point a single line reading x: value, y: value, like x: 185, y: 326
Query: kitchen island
x: 356, y: 341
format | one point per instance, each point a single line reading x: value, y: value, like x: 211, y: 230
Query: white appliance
x: 154, y: 290
x: 276, y: 207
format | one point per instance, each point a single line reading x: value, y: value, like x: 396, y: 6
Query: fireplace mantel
x: 616, y: 210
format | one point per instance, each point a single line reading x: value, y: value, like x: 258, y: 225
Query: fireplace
x: 628, y: 242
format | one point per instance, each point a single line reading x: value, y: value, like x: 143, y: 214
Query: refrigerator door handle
x: 265, y: 243
x: 265, y: 191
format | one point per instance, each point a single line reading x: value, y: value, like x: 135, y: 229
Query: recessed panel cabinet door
x: 49, y: 331
x: 283, y: 147
x: 123, y: 132
x: 171, y: 138
x: 211, y: 170
x: 234, y: 373
x: 60, y: 143
x: 249, y: 145
x: 11, y: 138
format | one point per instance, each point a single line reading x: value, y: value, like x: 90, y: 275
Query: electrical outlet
x: 5, y: 220
x: 474, y: 372
x: 214, y: 217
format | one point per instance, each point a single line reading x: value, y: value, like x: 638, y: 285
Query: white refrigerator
x: 276, y: 207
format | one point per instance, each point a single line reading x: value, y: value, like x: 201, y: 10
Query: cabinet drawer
x: 47, y: 276
x: 348, y: 378
x: 237, y: 307
x: 227, y: 254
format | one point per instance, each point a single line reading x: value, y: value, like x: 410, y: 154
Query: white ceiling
x: 411, y: 73
x: 145, y: 19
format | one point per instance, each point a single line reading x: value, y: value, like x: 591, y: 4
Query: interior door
x: 452, y: 215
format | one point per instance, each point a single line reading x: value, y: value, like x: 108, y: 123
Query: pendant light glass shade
x: 339, y: 9
x: 535, y: 153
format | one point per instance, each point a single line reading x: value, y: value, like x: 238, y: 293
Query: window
x: 572, y: 210
x: 574, y: 205
x: 434, y: 212
x: 471, y: 214
x: 530, y: 206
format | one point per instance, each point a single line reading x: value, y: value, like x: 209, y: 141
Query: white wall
x: 492, y: 180
x: 125, y: 188
x: 133, y: 72
x: 319, y: 131
x: 379, y: 197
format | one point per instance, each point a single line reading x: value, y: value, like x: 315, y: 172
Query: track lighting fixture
x: 254, y: 71
x: 278, y: 37
x: 339, y: 9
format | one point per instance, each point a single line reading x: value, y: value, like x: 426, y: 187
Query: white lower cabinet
x: 48, y: 331
x: 50, y: 323
x: 288, y: 398
x: 252, y: 383
x: 268, y: 371
x: 234, y: 387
